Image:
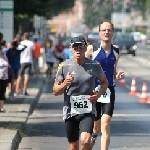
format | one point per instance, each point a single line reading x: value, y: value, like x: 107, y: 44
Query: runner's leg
x: 105, y: 129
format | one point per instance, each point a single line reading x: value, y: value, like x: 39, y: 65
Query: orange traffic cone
x: 133, y: 87
x: 144, y: 95
x: 122, y: 82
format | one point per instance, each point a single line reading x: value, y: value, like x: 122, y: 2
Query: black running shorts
x: 3, y: 85
x: 106, y: 108
x: 50, y: 63
x: 77, y: 124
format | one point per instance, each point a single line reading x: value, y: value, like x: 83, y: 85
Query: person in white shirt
x: 3, y: 76
x: 26, y: 61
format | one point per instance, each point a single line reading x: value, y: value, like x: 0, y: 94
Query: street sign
x: 7, y: 19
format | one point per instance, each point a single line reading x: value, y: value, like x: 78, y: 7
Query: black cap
x: 78, y: 40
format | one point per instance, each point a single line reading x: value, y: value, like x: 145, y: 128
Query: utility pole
x: 126, y: 8
x: 115, y: 4
x: 80, y: 14
x: 123, y: 11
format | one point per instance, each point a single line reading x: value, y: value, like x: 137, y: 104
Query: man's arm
x: 120, y: 74
x: 115, y: 67
x: 89, y: 52
x: 97, y: 94
x: 59, y: 87
x: 24, y: 47
x: 104, y: 85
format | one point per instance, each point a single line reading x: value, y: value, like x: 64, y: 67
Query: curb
x: 16, y: 129
x: 18, y: 137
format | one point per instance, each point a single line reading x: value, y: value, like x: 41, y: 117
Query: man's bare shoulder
x: 89, y: 51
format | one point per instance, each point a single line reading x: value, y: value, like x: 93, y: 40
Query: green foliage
x: 141, y: 5
x: 25, y: 10
x: 128, y: 30
x: 142, y: 30
x: 46, y: 8
x: 97, y: 11
x: 147, y: 4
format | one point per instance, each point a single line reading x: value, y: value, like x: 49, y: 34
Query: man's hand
x: 93, y: 97
x: 69, y: 78
x: 120, y: 75
x: 59, y: 87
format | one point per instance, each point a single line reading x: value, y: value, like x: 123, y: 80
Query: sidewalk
x: 12, y: 123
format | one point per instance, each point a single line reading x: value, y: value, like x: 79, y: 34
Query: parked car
x: 94, y: 36
x: 125, y: 42
x: 137, y: 36
x: 147, y: 40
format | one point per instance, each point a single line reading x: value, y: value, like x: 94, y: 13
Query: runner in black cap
x: 75, y: 79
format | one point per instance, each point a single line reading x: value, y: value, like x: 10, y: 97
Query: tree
x: 24, y: 10
x: 41, y: 7
x: 97, y: 11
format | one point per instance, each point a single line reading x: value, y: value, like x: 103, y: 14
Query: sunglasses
x: 77, y: 46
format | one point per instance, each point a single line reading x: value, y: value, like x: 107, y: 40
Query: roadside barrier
x: 133, y: 87
x: 144, y: 95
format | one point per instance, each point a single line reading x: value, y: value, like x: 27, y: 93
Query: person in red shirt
x: 60, y: 55
x: 37, y: 54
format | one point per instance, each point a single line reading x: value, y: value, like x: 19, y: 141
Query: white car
x: 137, y: 36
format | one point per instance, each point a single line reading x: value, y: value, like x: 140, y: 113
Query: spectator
x: 37, y: 53
x: 26, y: 61
x: 50, y: 58
x: 67, y: 51
x: 13, y: 56
x: 4, y: 47
x: 1, y: 37
x: 18, y: 38
x: 9, y: 45
x: 60, y: 55
x: 3, y: 76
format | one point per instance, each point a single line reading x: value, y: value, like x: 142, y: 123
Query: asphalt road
x: 130, y: 127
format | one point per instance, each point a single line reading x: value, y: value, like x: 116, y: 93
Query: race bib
x: 97, y: 88
x: 80, y: 104
x: 105, y: 98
